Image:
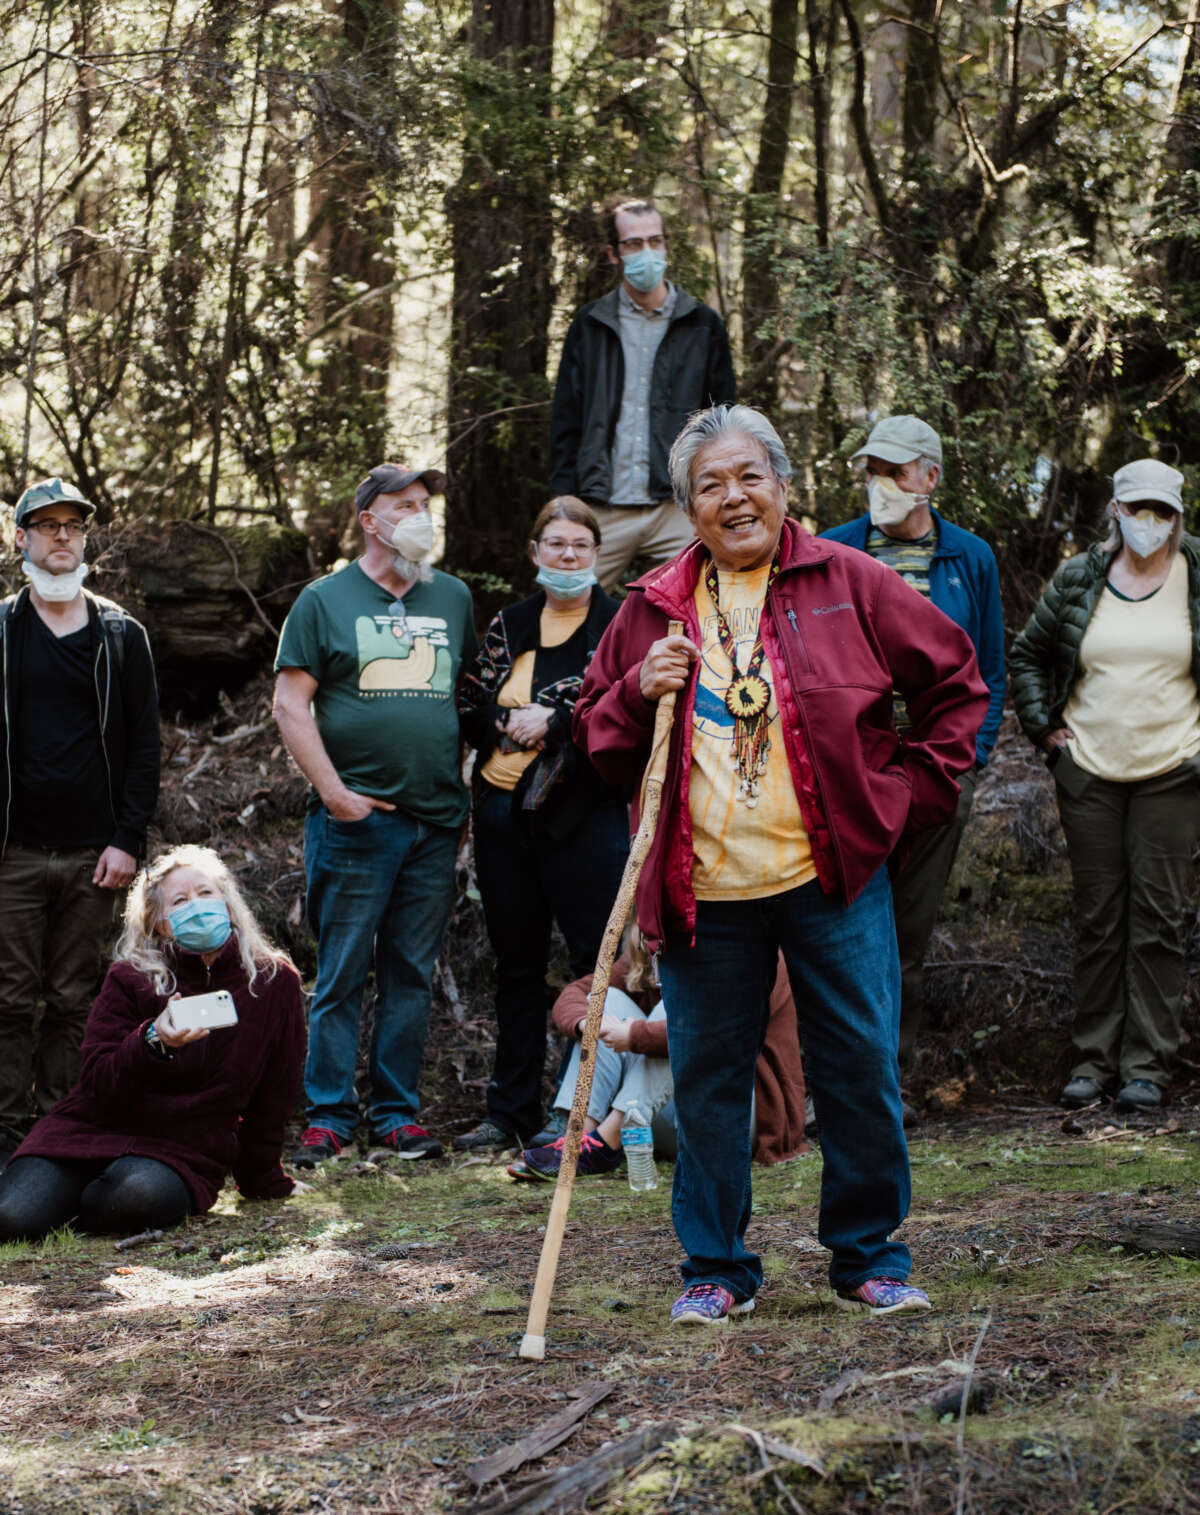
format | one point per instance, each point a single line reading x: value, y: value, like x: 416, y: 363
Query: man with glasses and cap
x: 956, y: 570
x: 635, y: 364
x: 79, y: 758
x: 367, y: 666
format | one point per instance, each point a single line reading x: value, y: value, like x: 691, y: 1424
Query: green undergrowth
x: 356, y: 1347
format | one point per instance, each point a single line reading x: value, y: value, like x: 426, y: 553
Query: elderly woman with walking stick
x: 787, y: 789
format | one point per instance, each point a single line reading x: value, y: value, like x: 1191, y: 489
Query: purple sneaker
x: 707, y: 1305
x: 882, y: 1296
x: 595, y: 1156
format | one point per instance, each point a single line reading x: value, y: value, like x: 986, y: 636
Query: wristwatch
x: 154, y: 1041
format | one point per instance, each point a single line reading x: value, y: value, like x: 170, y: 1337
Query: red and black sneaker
x: 411, y: 1142
x: 317, y: 1145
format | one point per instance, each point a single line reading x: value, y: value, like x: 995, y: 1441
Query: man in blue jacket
x: 957, y: 571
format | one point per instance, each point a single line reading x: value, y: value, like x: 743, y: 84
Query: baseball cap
x: 391, y: 478
x: 1148, y: 479
x: 51, y: 492
x: 901, y: 439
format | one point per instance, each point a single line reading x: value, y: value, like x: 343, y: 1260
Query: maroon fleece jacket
x: 215, y: 1107
x: 842, y: 631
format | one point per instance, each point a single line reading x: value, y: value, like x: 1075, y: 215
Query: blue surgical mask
x: 644, y: 270
x: 567, y: 583
x: 200, y: 925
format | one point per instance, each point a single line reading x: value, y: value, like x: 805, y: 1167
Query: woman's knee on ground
x: 134, y: 1194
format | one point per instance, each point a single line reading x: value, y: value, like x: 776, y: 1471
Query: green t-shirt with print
x: 385, y: 698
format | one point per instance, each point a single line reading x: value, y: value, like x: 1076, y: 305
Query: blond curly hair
x: 142, y: 946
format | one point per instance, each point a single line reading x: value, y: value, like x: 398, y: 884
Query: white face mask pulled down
x: 889, y: 504
x: 1144, y: 533
x: 57, y: 588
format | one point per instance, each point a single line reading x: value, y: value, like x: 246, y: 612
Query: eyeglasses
x: 555, y: 545
x: 74, y: 529
x: 635, y: 244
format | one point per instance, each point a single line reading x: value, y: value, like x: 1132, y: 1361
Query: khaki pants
x: 916, y: 899
x: 1131, y: 848
x: 54, y: 926
x: 656, y: 532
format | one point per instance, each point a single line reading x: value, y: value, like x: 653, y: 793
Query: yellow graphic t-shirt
x: 740, y: 852
x: 503, y: 770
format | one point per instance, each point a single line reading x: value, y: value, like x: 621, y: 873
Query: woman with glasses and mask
x: 551, y: 837
x: 1105, y: 681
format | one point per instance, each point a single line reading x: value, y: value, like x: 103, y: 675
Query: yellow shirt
x: 1134, y: 709
x: 740, y: 852
x: 558, y: 624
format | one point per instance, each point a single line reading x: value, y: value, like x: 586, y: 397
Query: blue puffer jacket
x: 964, y: 584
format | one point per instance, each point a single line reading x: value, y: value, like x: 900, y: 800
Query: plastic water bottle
x: 637, y: 1141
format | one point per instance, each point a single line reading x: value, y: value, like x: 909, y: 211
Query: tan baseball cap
x: 1148, y: 479
x: 900, y: 439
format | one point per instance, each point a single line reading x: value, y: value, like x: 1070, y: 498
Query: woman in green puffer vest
x: 1106, y: 681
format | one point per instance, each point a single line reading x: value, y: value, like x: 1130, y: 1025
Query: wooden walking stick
x: 533, y: 1344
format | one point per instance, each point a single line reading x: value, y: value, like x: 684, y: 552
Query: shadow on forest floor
x: 355, y: 1348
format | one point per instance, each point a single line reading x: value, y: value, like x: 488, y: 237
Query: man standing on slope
x: 635, y: 364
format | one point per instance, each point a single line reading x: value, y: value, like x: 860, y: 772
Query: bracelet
x: 154, y: 1041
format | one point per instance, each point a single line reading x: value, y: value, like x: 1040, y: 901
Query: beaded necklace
x: 748, y: 696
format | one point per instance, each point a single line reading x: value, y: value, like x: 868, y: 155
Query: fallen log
x: 1170, y: 1236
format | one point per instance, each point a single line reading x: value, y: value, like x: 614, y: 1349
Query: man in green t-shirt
x: 366, y: 671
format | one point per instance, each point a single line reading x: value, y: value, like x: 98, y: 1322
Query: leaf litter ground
x: 355, y: 1349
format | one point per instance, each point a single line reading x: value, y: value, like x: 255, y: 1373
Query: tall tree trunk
x: 500, y: 215
x: 353, y: 203
x: 760, y: 279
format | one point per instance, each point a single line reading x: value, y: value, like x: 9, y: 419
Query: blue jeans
x: 386, y: 882
x: 845, y: 978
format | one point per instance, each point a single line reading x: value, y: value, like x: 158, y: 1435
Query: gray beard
x: 408, y: 568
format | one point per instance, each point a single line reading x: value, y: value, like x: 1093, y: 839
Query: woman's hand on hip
x: 666, y: 666
x: 1058, y: 738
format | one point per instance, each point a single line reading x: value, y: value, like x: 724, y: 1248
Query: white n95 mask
x: 889, y: 504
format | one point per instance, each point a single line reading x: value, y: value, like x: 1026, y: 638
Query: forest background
x: 248, y: 250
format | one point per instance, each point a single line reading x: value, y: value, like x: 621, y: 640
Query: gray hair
x: 707, y: 426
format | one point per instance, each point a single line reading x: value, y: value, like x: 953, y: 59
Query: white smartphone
x: 204, y: 1012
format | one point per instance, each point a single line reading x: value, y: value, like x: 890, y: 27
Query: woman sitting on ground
x: 632, y: 1070
x: 160, y: 1116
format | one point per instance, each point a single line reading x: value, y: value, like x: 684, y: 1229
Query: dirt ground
x: 355, y: 1349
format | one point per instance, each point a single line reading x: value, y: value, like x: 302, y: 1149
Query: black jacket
x: 126, y: 713
x: 561, y: 786
x: 692, y: 369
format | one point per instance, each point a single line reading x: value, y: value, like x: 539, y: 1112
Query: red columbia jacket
x: 842, y: 631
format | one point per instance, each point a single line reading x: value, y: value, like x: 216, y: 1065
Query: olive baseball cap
x: 1147, y: 479
x: 51, y: 492
x: 391, y: 478
x: 900, y: 439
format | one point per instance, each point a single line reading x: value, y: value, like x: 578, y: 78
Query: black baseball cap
x: 391, y: 478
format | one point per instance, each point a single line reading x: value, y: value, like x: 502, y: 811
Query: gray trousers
x: 916, y: 899
x: 621, y: 1079
x: 55, y: 926
x: 1131, y: 848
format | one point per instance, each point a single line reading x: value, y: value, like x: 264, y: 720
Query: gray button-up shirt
x: 641, y: 333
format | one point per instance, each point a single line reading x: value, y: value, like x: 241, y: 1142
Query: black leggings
x: 118, y: 1198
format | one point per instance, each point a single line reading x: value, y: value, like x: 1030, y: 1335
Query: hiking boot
x: 707, y: 1305
x: 1079, y: 1092
x: 595, y: 1156
x: 488, y: 1133
x: 1139, y: 1094
x: 411, y: 1142
x: 318, y: 1144
x: 555, y: 1126
x: 882, y: 1296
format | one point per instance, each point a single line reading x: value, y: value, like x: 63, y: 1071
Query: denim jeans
x: 527, y: 884
x: 622, y: 1079
x: 845, y: 978
x: 386, y: 882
